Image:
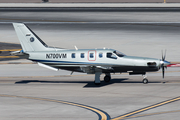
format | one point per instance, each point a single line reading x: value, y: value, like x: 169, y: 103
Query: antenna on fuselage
x: 72, y: 72
x: 76, y: 48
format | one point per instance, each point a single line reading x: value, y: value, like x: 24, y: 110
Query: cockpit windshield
x: 119, y: 54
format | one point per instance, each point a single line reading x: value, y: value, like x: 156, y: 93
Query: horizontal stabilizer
x: 18, y: 53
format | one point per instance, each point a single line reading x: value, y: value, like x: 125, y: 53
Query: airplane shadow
x: 116, y: 80
x: 90, y: 84
x: 103, y: 83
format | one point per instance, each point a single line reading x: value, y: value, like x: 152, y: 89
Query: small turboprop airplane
x: 90, y: 61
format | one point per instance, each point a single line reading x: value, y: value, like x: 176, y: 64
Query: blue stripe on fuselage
x: 68, y: 62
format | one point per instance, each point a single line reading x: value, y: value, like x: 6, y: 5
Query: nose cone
x: 165, y: 63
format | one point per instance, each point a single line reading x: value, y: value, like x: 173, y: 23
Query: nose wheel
x: 145, y: 80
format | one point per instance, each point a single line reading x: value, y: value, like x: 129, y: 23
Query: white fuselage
x: 64, y: 58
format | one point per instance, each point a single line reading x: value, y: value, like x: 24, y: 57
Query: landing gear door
x: 91, y: 55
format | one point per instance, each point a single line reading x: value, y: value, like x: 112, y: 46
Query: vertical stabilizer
x: 28, y: 39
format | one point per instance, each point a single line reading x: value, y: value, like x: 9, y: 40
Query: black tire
x: 107, y: 78
x: 145, y: 81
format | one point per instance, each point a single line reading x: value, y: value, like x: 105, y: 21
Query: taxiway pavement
x: 31, y: 92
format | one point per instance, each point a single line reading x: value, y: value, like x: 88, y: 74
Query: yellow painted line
x: 146, y: 108
x: 9, y: 57
x: 157, y: 113
x: 102, y: 115
x: 11, y: 50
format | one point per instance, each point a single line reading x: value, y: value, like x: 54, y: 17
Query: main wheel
x: 107, y: 78
x: 145, y: 81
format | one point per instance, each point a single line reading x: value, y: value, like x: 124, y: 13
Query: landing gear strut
x: 145, y: 80
x: 97, y: 78
x: 107, y: 78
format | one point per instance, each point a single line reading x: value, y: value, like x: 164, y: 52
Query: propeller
x: 164, y: 63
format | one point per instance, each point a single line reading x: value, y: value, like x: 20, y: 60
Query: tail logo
x: 32, y: 39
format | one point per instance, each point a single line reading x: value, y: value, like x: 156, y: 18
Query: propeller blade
x: 164, y: 63
x: 163, y: 71
x: 164, y: 55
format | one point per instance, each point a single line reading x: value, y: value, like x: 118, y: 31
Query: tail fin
x: 28, y: 39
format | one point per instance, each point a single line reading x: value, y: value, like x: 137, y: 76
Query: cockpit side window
x: 119, y: 54
x: 111, y: 55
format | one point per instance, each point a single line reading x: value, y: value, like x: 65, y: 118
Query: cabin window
x: 91, y: 55
x: 82, y: 55
x: 100, y: 55
x: 111, y: 55
x: 73, y: 55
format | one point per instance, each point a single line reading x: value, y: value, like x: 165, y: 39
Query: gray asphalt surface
x: 122, y: 95
x: 36, y: 92
x: 90, y: 17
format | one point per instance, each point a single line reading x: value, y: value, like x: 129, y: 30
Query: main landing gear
x: 145, y: 80
x: 97, y: 78
x: 107, y: 77
x: 97, y: 81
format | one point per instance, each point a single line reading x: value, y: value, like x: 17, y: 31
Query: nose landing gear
x: 145, y: 80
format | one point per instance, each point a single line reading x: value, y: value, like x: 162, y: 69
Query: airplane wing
x: 93, y: 69
x: 105, y: 68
